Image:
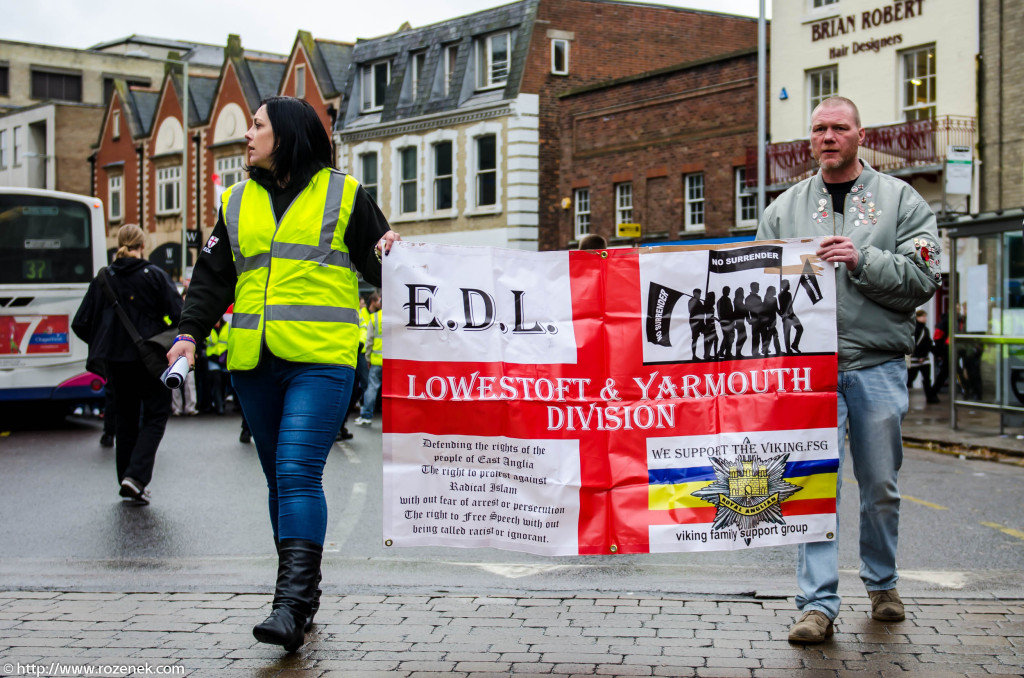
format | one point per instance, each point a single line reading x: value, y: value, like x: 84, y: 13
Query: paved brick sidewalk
x: 545, y: 634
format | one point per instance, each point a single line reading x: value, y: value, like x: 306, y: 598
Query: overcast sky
x: 262, y: 24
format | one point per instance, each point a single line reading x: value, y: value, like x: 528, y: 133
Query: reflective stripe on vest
x: 377, y: 350
x: 297, y: 292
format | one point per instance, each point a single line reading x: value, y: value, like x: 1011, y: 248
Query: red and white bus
x: 52, y: 244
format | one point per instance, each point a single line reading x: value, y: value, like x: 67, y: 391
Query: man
x: 923, y: 348
x: 375, y: 357
x: 882, y: 237
x: 593, y: 241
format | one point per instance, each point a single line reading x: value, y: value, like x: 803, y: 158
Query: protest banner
x: 609, y: 401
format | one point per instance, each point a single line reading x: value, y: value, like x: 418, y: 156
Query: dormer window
x: 375, y: 78
x: 419, y: 65
x: 493, y: 54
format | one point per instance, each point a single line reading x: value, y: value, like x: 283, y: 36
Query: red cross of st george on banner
x: 613, y: 404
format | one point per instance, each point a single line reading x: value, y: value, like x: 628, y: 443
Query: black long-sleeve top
x: 212, y: 288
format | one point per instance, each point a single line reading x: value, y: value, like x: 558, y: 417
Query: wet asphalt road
x: 206, y: 529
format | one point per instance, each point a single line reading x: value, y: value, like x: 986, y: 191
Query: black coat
x: 148, y: 297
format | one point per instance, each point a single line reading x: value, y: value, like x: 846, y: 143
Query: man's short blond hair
x: 835, y: 101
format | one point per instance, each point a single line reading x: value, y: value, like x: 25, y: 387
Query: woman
x: 283, y: 252
x: 148, y: 296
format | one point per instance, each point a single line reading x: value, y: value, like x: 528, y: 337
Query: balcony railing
x: 905, y: 146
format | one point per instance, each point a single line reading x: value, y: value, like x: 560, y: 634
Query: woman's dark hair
x: 301, y: 145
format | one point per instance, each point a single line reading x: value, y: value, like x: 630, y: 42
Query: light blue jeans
x: 294, y: 411
x: 873, y: 402
x: 372, y: 388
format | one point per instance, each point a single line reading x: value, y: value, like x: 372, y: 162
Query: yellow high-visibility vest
x: 297, y: 291
x: 217, y: 342
x: 377, y: 350
x: 364, y: 325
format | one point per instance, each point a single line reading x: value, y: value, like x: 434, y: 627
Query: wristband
x: 185, y: 337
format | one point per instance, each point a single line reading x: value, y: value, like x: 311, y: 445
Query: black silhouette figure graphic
x: 739, y: 317
x: 753, y: 305
x: 789, y: 320
x: 696, y: 308
x: 728, y: 323
x: 710, y: 332
x: 769, y: 315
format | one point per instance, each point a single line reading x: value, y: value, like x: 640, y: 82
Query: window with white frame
x: 822, y: 83
x: 746, y: 201
x: 16, y: 138
x: 368, y: 174
x: 919, y: 83
x: 114, y: 198
x: 817, y: 4
x: 493, y: 54
x: 168, y: 190
x: 694, y: 194
x: 419, y: 64
x: 231, y: 170
x: 559, y: 57
x: 300, y: 81
x: 407, y: 186
x: 581, y: 211
x: 443, y: 163
x: 451, y: 52
x: 115, y: 124
x: 374, y: 84
x: 623, y: 203
x: 3, y: 149
x: 486, y: 170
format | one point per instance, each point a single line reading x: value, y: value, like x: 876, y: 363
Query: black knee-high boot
x: 315, y: 607
x: 316, y: 594
x: 298, y: 566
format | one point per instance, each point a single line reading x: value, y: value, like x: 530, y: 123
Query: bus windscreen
x: 44, y: 240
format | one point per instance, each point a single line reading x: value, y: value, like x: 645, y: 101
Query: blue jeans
x: 294, y: 411
x: 370, y: 394
x: 873, y: 402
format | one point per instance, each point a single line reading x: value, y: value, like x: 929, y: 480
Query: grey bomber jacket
x: 895, y: 233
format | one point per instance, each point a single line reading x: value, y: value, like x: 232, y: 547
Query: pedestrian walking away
x: 918, y: 361
x: 882, y: 237
x: 374, y: 341
x: 285, y: 250
x: 150, y: 300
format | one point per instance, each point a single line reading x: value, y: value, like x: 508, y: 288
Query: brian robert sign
x: 850, y: 24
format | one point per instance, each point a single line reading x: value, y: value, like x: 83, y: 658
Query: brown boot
x: 813, y: 627
x: 886, y: 606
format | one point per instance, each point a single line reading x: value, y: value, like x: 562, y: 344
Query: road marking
x: 947, y: 579
x: 349, y: 518
x: 350, y: 455
x: 922, y: 502
x: 1005, y: 530
x: 516, y: 570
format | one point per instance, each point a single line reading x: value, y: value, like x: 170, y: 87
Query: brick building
x: 1001, y: 145
x: 455, y: 126
x: 52, y: 101
x: 138, y: 154
x: 664, y: 149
